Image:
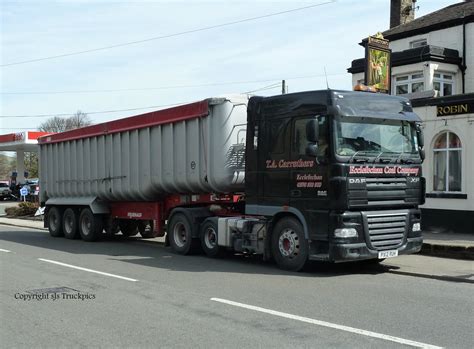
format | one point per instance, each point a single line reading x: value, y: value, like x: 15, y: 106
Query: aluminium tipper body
x: 194, y: 148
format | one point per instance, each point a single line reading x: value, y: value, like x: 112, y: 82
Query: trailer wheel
x: 128, y: 228
x: 111, y: 226
x: 90, y: 225
x: 54, y: 222
x: 145, y: 228
x: 289, y: 245
x: 70, y: 224
x: 208, y: 237
x: 180, y: 235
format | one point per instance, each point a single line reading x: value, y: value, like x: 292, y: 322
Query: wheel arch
x: 284, y: 214
x: 195, y: 215
x: 278, y: 212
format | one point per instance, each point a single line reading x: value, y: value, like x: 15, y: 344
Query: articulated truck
x: 320, y: 175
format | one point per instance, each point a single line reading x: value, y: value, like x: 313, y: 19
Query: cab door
x: 309, y: 174
x: 275, y: 151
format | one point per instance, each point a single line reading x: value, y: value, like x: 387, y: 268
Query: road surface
x: 129, y: 293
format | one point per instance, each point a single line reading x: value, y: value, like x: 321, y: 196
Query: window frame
x: 446, y: 150
x: 419, y: 43
x: 442, y: 81
x: 409, y: 81
x: 322, y: 120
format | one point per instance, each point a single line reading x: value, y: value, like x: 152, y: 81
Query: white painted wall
x: 449, y: 38
x: 432, y: 127
x: 357, y: 77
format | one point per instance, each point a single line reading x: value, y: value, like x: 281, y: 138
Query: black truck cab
x: 344, y: 165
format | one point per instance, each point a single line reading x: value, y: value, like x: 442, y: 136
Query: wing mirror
x: 420, y: 136
x: 312, y: 149
x: 422, y: 154
x: 312, y: 131
x: 421, y: 141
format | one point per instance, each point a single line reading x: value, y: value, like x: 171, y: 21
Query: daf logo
x: 414, y: 179
x: 356, y: 180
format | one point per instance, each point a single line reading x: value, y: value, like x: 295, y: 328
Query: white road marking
x: 329, y: 324
x: 2, y: 250
x: 85, y: 269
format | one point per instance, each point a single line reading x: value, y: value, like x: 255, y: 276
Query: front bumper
x: 360, y: 251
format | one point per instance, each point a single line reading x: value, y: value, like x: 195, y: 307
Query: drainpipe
x: 463, y: 65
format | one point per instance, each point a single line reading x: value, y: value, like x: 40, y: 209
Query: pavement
x: 450, y: 245
x: 446, y: 246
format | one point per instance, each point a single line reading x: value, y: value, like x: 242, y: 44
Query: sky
x: 253, y: 55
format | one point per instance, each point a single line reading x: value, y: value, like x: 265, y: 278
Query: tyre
x: 128, y: 227
x: 70, y: 224
x: 54, y: 222
x: 289, y: 245
x: 111, y: 226
x: 208, y: 237
x: 145, y: 228
x: 180, y: 234
x: 90, y: 225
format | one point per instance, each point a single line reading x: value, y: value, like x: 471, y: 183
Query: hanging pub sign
x: 378, y: 67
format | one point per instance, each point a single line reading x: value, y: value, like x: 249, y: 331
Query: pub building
x: 432, y: 64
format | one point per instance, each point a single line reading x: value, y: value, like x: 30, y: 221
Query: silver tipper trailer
x: 195, y: 148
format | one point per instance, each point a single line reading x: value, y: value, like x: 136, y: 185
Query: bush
x: 12, y: 211
x: 23, y: 209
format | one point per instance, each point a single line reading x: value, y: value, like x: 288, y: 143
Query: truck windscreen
x: 370, y: 137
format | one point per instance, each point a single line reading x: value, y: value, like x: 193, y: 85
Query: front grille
x: 386, y: 230
x: 382, y: 191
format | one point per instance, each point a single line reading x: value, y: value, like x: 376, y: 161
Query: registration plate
x: 388, y: 254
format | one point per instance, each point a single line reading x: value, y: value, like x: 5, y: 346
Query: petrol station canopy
x: 21, y: 141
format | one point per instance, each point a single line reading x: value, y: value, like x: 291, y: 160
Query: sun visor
x: 364, y: 104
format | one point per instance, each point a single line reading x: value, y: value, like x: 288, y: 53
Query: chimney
x: 401, y: 12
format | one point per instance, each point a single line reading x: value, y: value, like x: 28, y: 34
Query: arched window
x: 447, y: 162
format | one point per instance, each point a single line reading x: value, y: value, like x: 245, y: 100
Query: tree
x: 31, y: 164
x: 7, y: 165
x: 60, y: 124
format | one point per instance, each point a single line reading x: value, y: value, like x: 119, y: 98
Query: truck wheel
x: 180, y: 235
x: 208, y: 237
x: 289, y: 245
x: 90, y: 225
x: 128, y: 228
x: 70, y: 224
x: 54, y: 222
x: 145, y: 228
x: 111, y: 226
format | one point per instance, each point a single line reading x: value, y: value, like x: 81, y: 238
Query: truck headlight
x: 416, y: 227
x: 345, y: 233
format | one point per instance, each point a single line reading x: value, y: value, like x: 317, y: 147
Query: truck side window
x: 300, y: 142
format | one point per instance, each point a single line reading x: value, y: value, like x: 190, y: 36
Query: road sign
x: 24, y: 191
